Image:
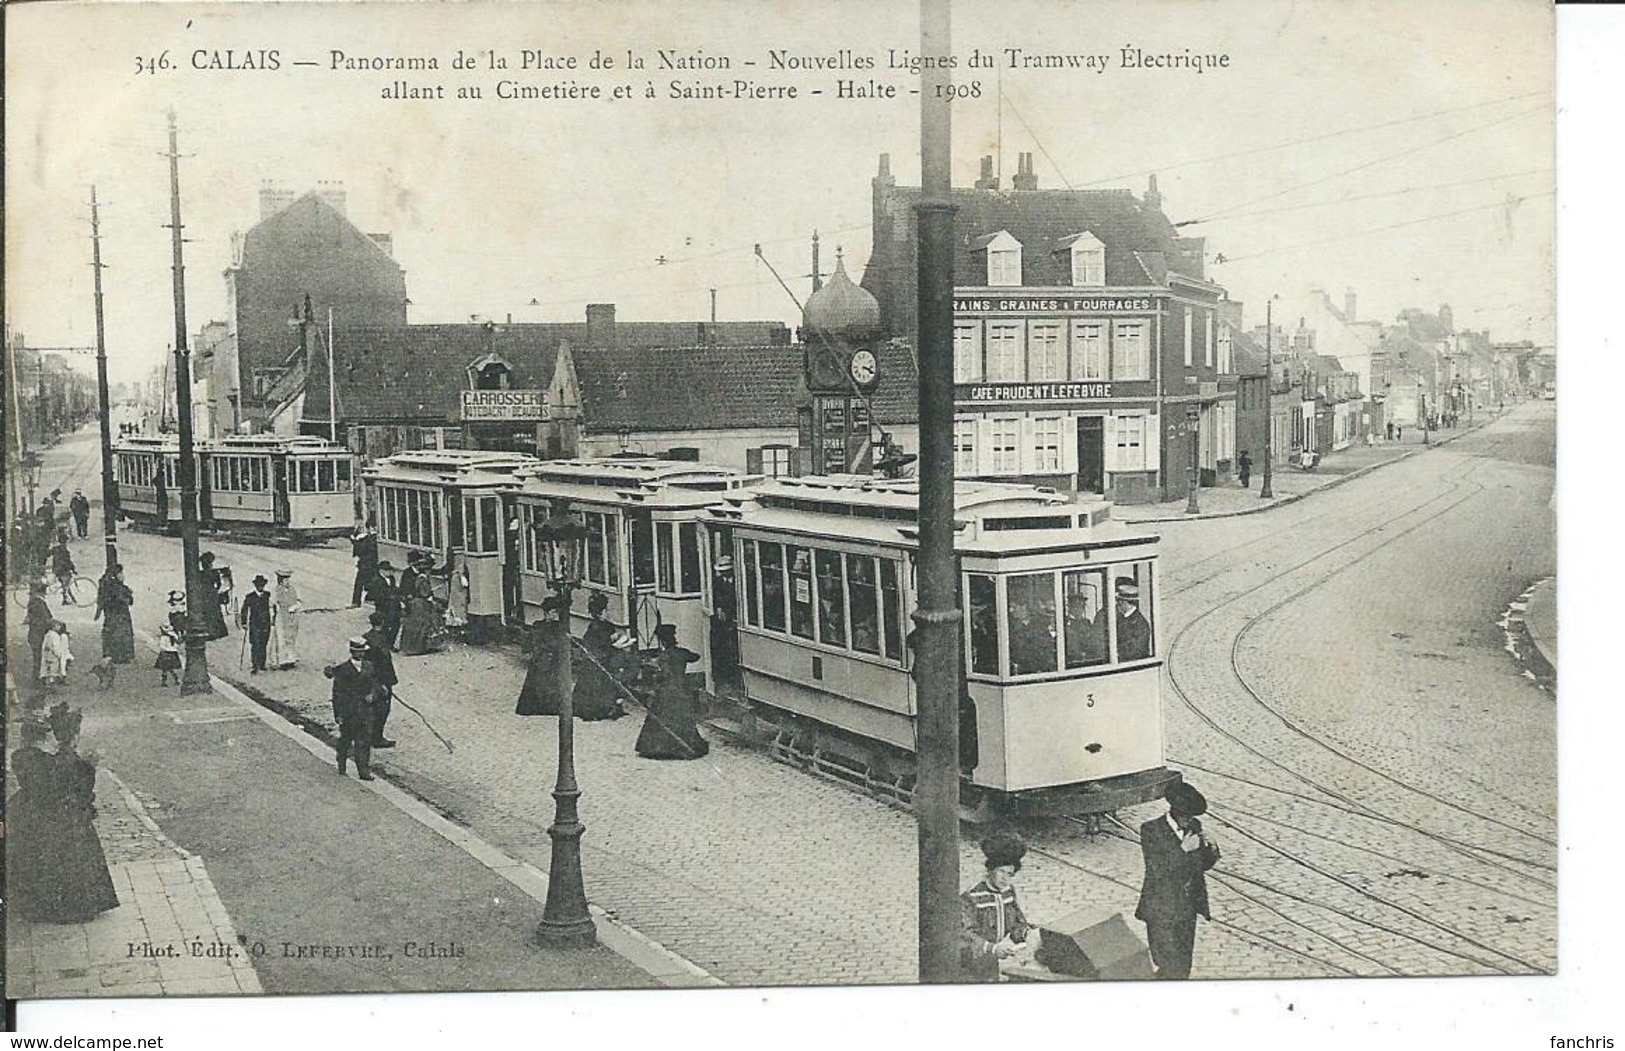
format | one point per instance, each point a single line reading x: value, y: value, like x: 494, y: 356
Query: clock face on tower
x: 863, y: 367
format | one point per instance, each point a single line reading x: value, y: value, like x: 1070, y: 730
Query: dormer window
x: 1088, y: 257
x: 1003, y: 260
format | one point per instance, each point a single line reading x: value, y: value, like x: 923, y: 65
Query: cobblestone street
x: 1382, y: 774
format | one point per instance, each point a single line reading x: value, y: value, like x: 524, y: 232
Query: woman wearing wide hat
x: 59, y: 873
x: 994, y: 927
x: 671, y: 729
x: 113, y: 601
x: 217, y: 596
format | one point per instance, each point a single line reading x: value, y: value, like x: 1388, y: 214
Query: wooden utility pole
x: 109, y: 489
x: 936, y: 656
x: 195, y: 679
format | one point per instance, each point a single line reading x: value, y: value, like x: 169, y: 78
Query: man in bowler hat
x: 386, y: 601
x: 255, y: 616
x: 1177, y: 854
x: 355, y: 694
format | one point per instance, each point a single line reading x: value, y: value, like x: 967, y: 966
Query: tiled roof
x: 1140, y: 244
x: 417, y: 372
x: 717, y: 387
x: 1250, y: 357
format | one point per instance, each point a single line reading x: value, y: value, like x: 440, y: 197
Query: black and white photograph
x: 561, y: 497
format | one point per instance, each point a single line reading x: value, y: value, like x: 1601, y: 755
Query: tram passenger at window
x: 1085, y: 635
x: 1133, y: 630
x: 1032, y: 638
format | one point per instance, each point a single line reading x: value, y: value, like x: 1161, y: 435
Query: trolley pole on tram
x: 195, y: 679
x: 109, y: 490
x: 936, y: 793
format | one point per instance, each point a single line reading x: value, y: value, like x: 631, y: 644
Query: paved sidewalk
x: 1290, y: 484
x: 302, y: 868
x: 165, y: 898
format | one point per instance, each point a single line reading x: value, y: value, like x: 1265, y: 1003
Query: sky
x: 1405, y: 152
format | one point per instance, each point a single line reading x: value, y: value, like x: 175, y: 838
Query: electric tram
x: 1061, y: 653
x: 448, y: 504
x: 643, y: 550
x: 301, y: 488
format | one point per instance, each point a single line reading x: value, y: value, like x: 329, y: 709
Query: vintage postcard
x: 354, y: 351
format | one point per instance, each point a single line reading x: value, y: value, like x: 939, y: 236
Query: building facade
x: 1090, y: 352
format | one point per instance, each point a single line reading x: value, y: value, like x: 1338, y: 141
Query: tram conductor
x: 1177, y: 855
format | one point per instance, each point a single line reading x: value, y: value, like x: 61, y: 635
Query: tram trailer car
x: 449, y: 504
x: 644, y: 548
x: 296, y: 488
x: 1066, y: 689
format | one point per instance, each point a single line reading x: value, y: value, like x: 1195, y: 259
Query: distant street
x: 1381, y: 771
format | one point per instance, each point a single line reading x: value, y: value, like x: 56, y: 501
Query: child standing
x: 169, y: 657
x: 55, y: 655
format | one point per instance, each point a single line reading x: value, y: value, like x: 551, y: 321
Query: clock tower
x: 840, y: 326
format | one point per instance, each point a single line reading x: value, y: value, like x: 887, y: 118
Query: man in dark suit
x: 364, y: 546
x: 355, y: 693
x: 255, y: 617
x: 386, y: 601
x: 1133, y: 630
x: 1174, y: 893
x: 382, y: 661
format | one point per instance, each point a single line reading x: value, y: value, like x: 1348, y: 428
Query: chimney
x: 1348, y: 305
x: 988, y: 180
x: 273, y: 198
x: 1153, y: 199
x: 333, y: 194
x: 600, y: 324
x: 1025, y: 178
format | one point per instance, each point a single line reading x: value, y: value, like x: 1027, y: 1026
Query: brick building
x: 1089, y: 347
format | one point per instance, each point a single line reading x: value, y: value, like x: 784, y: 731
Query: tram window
x: 471, y: 526
x: 1082, y: 602
x: 1032, y: 623
x: 891, y: 610
x: 772, y: 586
x: 414, y: 522
x: 490, y: 531
x: 454, y: 528
x: 984, y: 624
x: 1131, y: 595
x: 753, y: 613
x: 594, y: 570
x: 612, y: 551
x: 307, y: 476
x: 667, y: 582
x: 324, y: 476
x: 342, y: 474
x: 832, y: 602
x: 643, y: 550
x: 801, y: 596
x: 688, y: 542
x: 860, y: 572
x: 259, y: 475
x: 170, y: 467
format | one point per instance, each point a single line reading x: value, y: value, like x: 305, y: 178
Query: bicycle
x: 70, y: 590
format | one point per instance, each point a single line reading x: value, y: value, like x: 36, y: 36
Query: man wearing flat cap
x: 1133, y: 630
x: 1177, y: 854
x: 255, y: 616
x: 355, y: 694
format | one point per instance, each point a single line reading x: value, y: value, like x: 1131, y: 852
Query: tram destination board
x: 491, y: 405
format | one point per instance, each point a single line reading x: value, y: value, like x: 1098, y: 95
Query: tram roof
x: 989, y: 516
x: 639, y: 481
x: 449, y: 464
x: 234, y: 443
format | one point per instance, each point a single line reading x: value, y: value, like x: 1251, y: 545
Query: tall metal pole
x: 332, y: 380
x: 195, y: 679
x: 936, y: 792
x: 109, y: 490
x: 1269, y: 396
x: 566, y: 920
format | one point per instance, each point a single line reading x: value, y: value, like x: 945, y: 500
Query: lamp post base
x: 580, y: 934
x: 566, y: 920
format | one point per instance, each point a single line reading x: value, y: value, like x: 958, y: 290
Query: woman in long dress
x: 285, y: 625
x: 539, y: 695
x: 421, y: 620
x: 214, y: 617
x: 113, y: 601
x: 596, y: 692
x: 59, y: 873
x: 671, y: 729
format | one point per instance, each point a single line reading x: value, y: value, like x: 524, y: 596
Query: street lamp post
x: 562, y: 539
x: 31, y: 472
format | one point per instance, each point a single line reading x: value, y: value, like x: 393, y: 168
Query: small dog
x: 105, y: 671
